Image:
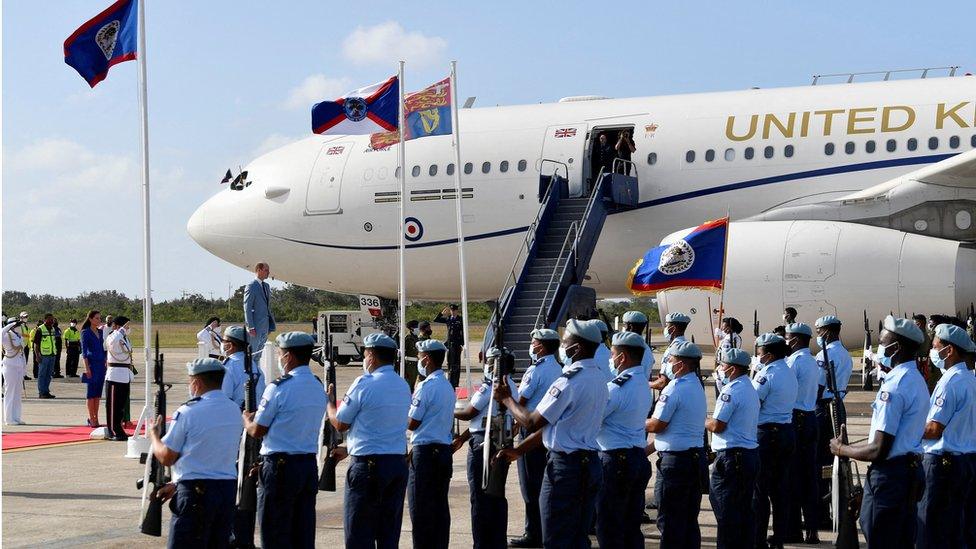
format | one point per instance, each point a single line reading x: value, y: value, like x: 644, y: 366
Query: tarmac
x: 84, y: 494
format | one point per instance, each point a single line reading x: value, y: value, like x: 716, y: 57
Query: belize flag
x: 695, y: 261
x: 426, y: 113
x: 107, y: 39
x: 367, y: 110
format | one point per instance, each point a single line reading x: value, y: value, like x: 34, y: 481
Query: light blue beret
x: 628, y: 339
x: 684, y: 349
x: 799, y: 328
x: 204, y: 365
x: 635, y: 317
x: 545, y: 334
x: 428, y: 345
x: 600, y: 325
x: 827, y: 321
x: 950, y: 333
x: 584, y: 329
x: 680, y: 318
x: 769, y: 338
x: 737, y: 357
x: 288, y: 340
x: 234, y: 332
x: 493, y: 352
x: 379, y: 339
x: 903, y: 327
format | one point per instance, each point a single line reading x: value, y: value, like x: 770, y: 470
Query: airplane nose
x: 196, y: 226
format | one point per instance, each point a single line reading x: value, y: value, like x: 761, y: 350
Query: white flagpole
x: 146, y: 416
x: 460, y: 221
x: 402, y: 295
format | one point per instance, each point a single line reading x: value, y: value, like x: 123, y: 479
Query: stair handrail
x: 574, y: 229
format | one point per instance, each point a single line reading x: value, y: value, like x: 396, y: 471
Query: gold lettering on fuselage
x: 953, y: 113
x: 886, y: 123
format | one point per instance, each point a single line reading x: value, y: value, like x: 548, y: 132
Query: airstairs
x: 545, y: 284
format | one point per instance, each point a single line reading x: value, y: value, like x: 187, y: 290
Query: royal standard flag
x: 107, y: 39
x: 695, y: 261
x: 426, y: 113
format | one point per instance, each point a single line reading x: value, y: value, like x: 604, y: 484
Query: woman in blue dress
x: 93, y: 351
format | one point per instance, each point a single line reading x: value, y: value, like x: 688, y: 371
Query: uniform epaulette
x: 281, y: 379
x: 568, y: 374
x: 621, y: 379
x: 317, y: 378
x: 191, y: 401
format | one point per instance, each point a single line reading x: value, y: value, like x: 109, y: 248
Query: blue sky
x: 229, y: 80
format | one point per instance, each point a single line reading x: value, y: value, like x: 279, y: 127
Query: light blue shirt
x: 843, y: 366
x: 376, y: 407
x: 433, y: 407
x: 900, y: 409
x: 953, y: 405
x: 647, y: 362
x: 234, y: 379
x: 667, y: 352
x: 682, y: 406
x: 206, y: 431
x: 292, y: 409
x: 573, y: 407
x: 807, y: 379
x: 738, y: 407
x: 776, y: 386
x: 626, y: 411
x: 602, y: 357
x: 537, y: 379
x: 480, y: 402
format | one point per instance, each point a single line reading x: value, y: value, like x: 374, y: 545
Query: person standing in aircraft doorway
x: 624, y: 147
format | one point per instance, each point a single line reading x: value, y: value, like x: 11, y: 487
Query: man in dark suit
x: 257, y: 310
x: 455, y: 341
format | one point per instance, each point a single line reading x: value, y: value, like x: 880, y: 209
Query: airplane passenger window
x: 468, y: 167
x: 829, y: 149
x: 709, y: 155
x: 849, y: 147
x: 768, y: 152
x: 432, y: 170
x: 396, y: 173
x: 912, y: 144
x: 749, y: 153
x: 870, y: 146
x: 503, y: 166
x: 972, y: 141
x: 652, y: 157
x: 368, y: 174
x: 522, y: 165
x: 729, y: 155
x: 415, y: 171
x: 450, y: 169
x: 485, y: 167
x: 954, y: 142
x: 690, y: 157
x: 788, y: 151
x: 933, y: 143
x: 891, y: 145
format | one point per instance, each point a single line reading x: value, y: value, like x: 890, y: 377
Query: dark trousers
x: 489, y: 514
x: 116, y: 397
x: 203, y: 511
x: 825, y: 432
x: 374, y: 500
x: 776, y: 445
x: 732, y: 484
x: 969, y: 520
x: 454, y: 362
x: 244, y: 522
x: 941, y: 513
x: 57, y: 363
x: 804, y: 476
x: 568, y: 498
x: 531, y: 469
x: 888, y: 511
x: 71, y: 362
x: 286, y: 500
x: 620, y: 501
x: 427, y: 487
x: 678, y: 491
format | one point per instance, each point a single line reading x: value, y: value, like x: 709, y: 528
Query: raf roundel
x: 413, y: 229
x: 678, y: 258
x: 355, y: 108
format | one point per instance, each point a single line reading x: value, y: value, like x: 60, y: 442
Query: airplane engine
x: 825, y: 267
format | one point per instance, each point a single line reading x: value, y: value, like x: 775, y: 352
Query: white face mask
x: 532, y: 354
x: 422, y: 369
x: 667, y: 369
x: 936, y: 357
x: 189, y: 390
x: 281, y: 366
x: 564, y: 354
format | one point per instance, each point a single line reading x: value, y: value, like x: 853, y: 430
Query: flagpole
x: 455, y: 115
x: 725, y: 261
x: 146, y: 414
x: 402, y: 295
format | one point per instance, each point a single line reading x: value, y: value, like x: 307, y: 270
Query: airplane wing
x: 936, y: 200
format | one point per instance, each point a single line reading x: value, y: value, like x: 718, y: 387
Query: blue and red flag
x: 426, y: 113
x: 696, y: 260
x: 109, y: 38
x: 367, y: 110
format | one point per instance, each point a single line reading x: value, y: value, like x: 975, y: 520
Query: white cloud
x: 389, y: 42
x: 63, y: 165
x: 272, y: 142
x: 314, y: 89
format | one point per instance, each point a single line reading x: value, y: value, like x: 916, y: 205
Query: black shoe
x: 794, y: 538
x: 524, y: 541
x: 57, y: 376
x: 812, y: 538
x: 27, y: 377
x: 46, y: 395
x: 72, y: 375
x: 651, y: 505
x: 773, y: 544
x: 646, y: 519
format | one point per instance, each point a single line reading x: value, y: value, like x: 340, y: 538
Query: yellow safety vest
x: 71, y: 335
x: 48, y: 346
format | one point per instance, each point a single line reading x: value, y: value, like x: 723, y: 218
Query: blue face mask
x: 821, y: 342
x: 880, y: 358
x: 422, y: 370
x: 564, y: 355
x: 667, y: 370
x: 532, y: 354
x: 937, y: 360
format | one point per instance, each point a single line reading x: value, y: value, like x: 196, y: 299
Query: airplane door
x: 563, y: 147
x: 326, y: 179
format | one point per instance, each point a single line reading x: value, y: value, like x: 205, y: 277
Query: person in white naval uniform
x: 14, y: 366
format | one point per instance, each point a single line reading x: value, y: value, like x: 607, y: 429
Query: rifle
x: 330, y: 436
x: 152, y: 520
x: 845, y: 496
x: 755, y: 348
x: 247, y: 484
x: 867, y: 365
x: 498, y: 432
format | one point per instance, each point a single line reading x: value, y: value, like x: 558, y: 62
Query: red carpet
x: 47, y: 437
x: 461, y: 393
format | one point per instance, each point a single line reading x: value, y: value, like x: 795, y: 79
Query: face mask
x: 73, y: 324
x: 532, y: 354
x: 669, y: 335
x: 762, y: 358
x: 723, y: 378
x: 937, y: 360
x: 281, y: 366
x: 821, y: 342
x: 564, y: 354
x: 189, y: 390
x: 668, y: 370
x: 422, y: 370
x: 882, y: 358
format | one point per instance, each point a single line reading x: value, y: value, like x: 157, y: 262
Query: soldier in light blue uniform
x: 894, y: 480
x: 374, y: 412
x: 567, y: 422
x: 636, y: 322
x: 201, y: 446
x: 733, y: 425
x: 532, y: 466
x: 431, y: 418
x: 288, y: 420
x: 235, y: 377
x: 489, y: 514
x: 805, y: 474
x: 828, y: 334
x: 678, y: 422
x: 949, y: 440
x: 602, y: 355
x: 622, y: 440
x: 675, y: 325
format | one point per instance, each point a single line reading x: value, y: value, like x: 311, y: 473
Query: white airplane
x: 845, y: 198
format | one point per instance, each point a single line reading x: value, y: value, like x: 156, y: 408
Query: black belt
x: 574, y: 453
x: 803, y: 412
x: 373, y: 458
x: 774, y: 426
x: 118, y: 365
x: 282, y: 457
x: 688, y: 452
